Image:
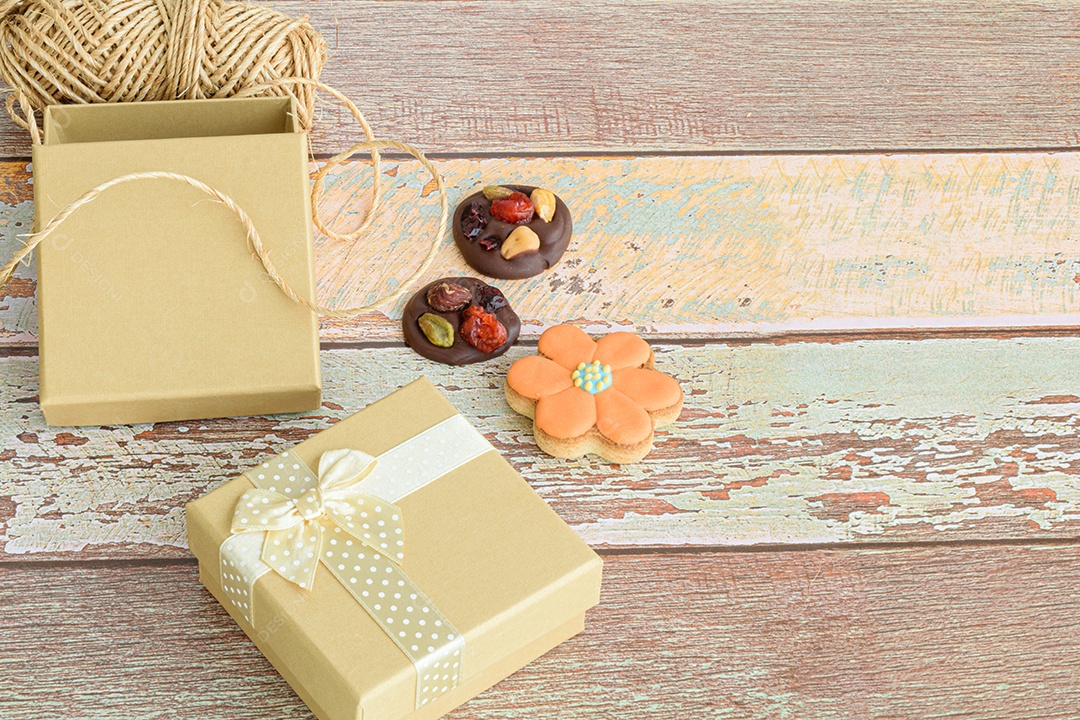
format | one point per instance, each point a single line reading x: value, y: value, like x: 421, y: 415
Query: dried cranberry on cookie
x: 586, y: 396
x: 459, y: 320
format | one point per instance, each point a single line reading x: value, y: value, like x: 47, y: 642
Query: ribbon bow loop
x: 297, y: 511
x: 341, y: 469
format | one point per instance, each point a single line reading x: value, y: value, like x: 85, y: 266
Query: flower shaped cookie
x: 587, y: 396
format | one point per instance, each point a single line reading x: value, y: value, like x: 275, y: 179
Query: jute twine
x: 86, y: 51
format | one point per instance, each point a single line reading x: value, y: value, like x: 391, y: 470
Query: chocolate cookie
x: 459, y: 352
x: 483, y: 250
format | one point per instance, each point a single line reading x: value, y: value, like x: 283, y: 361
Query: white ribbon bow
x: 295, y: 513
x: 346, y: 518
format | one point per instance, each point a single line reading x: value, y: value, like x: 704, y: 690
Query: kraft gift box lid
x: 151, y: 305
x: 486, y: 550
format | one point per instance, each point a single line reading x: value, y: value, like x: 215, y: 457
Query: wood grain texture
x: 989, y: 633
x: 795, y: 443
x: 731, y: 246
x: 732, y: 75
x: 887, y: 442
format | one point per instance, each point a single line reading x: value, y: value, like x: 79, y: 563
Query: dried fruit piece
x: 491, y: 298
x: 436, y: 329
x: 447, y: 297
x: 491, y: 242
x: 522, y: 240
x: 473, y: 220
x: 544, y: 202
x: 517, y: 208
x: 497, y: 192
x: 482, y: 329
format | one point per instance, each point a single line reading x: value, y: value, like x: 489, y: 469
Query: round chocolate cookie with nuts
x: 459, y: 321
x: 512, y: 231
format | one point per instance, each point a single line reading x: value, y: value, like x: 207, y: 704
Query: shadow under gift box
x: 151, y: 304
x: 484, y: 548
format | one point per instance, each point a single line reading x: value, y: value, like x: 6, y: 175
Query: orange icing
x: 535, y: 376
x: 620, y: 419
x: 621, y: 350
x: 620, y: 413
x: 566, y: 414
x: 651, y: 389
x: 567, y: 345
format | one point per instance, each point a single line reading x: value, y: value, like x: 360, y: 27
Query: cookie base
x: 591, y: 442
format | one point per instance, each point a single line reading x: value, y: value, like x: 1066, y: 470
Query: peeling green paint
x: 966, y: 438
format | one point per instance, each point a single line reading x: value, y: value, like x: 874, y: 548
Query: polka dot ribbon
x: 292, y: 505
x: 346, y: 518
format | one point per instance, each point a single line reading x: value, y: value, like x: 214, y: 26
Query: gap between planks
x: 749, y: 152
x: 827, y: 338
x: 75, y: 560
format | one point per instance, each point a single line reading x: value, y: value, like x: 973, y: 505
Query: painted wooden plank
x: 953, y: 632
x: 796, y: 443
x: 696, y: 246
x: 696, y: 75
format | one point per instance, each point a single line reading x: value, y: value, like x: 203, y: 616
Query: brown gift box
x: 151, y: 305
x: 479, y: 542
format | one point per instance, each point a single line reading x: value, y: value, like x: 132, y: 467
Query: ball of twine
x: 56, y: 52
x: 92, y: 51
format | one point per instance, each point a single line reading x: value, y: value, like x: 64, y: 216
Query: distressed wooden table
x: 869, y: 508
